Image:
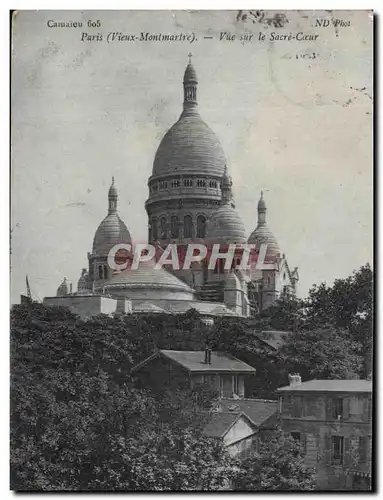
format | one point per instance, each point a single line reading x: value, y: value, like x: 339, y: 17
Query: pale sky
x: 298, y: 128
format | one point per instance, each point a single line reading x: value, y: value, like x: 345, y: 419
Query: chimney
x: 294, y: 380
x: 207, y: 356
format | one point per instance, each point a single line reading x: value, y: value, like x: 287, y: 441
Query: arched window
x: 201, y: 226
x: 174, y: 227
x: 188, y: 226
x: 100, y: 272
x: 163, y: 234
x: 154, y: 229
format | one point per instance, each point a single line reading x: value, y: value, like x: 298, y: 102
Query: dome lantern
x: 262, y: 210
x: 112, y: 198
x: 190, y: 87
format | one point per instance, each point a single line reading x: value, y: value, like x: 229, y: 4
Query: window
x: 188, y: 226
x: 174, y: 227
x: 163, y: 185
x: 284, y: 276
x: 163, y: 228
x: 205, y: 379
x: 175, y: 183
x: 201, y: 183
x: 296, y: 406
x: 213, y: 184
x: 337, y: 449
x: 236, y: 384
x: 221, y: 385
x: 105, y: 272
x: 337, y: 408
x: 201, y: 226
x: 100, y: 272
x: 154, y: 229
x: 188, y: 183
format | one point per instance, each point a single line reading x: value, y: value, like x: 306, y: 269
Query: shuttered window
x: 337, y: 450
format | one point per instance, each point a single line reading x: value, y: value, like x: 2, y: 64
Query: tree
x: 347, y: 305
x: 322, y: 353
x: 78, y: 422
x: 277, y: 466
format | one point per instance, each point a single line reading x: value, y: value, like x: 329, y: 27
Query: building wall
x: 313, y: 416
x: 223, y: 383
x: 150, y: 294
x: 240, y: 430
x: 84, y: 305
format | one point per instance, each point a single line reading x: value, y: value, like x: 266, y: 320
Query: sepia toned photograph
x: 191, y: 251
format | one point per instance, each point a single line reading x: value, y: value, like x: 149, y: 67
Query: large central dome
x: 190, y: 145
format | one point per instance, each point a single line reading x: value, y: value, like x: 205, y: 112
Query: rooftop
x: 331, y: 386
x: 194, y: 361
x: 274, y: 338
x: 220, y: 423
x: 258, y: 410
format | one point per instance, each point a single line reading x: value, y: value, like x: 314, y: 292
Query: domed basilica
x: 190, y: 201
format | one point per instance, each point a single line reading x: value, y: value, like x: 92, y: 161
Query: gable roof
x: 274, y: 338
x: 194, y: 361
x: 331, y: 386
x: 258, y: 410
x: 221, y: 422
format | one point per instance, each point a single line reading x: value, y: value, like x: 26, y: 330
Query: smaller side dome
x: 62, y: 289
x: 263, y: 235
x: 112, y: 230
x: 83, y: 284
x: 225, y: 225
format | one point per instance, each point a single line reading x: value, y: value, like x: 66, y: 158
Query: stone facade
x: 334, y: 427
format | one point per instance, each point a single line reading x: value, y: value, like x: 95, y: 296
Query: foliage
x: 78, y: 422
x: 277, y: 466
x: 323, y: 353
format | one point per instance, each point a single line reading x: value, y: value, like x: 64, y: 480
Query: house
x: 333, y: 421
x: 237, y: 431
x: 242, y: 422
x: 185, y: 369
x: 239, y: 422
